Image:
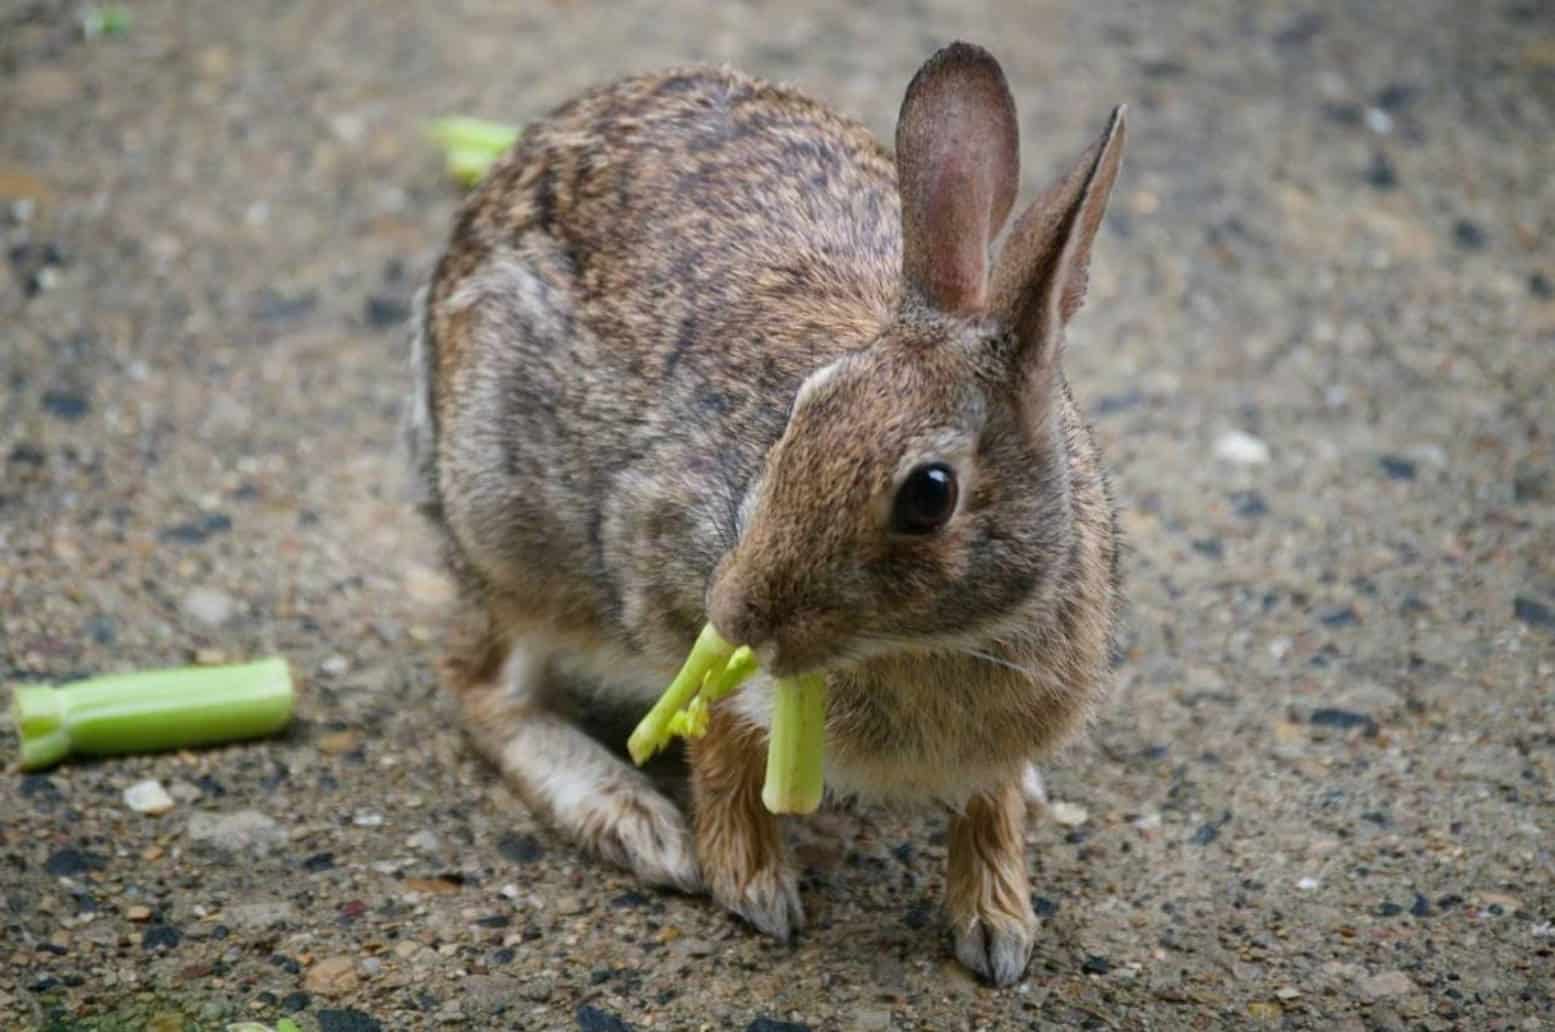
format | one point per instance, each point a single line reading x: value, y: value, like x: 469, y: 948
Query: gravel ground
x: 1320, y: 353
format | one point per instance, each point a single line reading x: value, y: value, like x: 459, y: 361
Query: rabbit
x: 701, y: 349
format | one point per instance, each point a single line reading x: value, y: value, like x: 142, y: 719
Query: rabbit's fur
x: 686, y: 341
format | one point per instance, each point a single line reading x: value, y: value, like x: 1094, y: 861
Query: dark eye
x: 925, y: 500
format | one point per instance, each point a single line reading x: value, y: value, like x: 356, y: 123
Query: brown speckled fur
x: 672, y: 367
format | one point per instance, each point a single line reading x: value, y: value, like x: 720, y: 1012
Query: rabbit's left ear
x: 1040, y: 277
x: 958, y: 167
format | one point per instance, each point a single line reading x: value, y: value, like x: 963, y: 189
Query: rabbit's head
x: 920, y: 495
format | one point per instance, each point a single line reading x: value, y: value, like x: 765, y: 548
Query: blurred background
x: 1319, y: 351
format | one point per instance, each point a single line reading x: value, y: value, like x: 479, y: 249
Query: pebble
x: 364, y: 819
x: 1533, y: 613
x: 1385, y: 984
x: 160, y: 936
x: 148, y: 797
x: 1070, y: 815
x: 1397, y: 467
x: 773, y: 1025
x: 208, y: 606
x: 522, y: 849
x: 332, y: 976
x: 871, y: 1019
x: 137, y: 913
x: 339, y: 743
x: 259, y: 915
x: 347, y: 1019
x: 593, y: 1019
x: 66, y: 405
x: 1241, y: 449
x: 1468, y: 235
x: 334, y: 666
x: 246, y: 831
x: 1308, y: 884
x: 424, y: 841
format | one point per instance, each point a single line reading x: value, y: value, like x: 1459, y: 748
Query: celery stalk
x: 709, y: 655
x: 471, y: 145
x: 152, y: 710
x: 795, y: 778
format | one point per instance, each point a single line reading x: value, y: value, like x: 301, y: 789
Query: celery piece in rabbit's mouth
x: 796, y: 741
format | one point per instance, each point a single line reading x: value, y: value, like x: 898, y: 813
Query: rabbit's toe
x: 639, y: 829
x: 995, y: 948
x: 768, y: 899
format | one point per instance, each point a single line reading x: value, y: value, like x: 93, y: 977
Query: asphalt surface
x: 1320, y: 356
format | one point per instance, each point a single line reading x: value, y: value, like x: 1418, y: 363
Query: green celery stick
x: 795, y: 750
x: 152, y: 710
x: 471, y: 145
x: 709, y: 655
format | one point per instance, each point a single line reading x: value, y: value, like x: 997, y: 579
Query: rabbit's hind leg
x: 564, y: 775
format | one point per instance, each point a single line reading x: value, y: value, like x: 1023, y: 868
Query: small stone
x: 1265, y: 1010
x: 773, y: 1025
x: 101, y: 629
x: 66, y: 405
x: 334, y: 666
x: 339, y: 742
x: 138, y: 913
x: 424, y: 841
x: 1378, y: 121
x: 1533, y: 613
x: 1249, y: 504
x: 538, y: 989
x: 209, y: 657
x: 1241, y: 449
x: 1344, y: 720
x: 1070, y: 815
x: 260, y: 914
x: 160, y: 936
x: 1421, y: 907
x: 1397, y: 467
x: 594, y: 1019
x: 246, y: 831
x: 291, y: 1003
x: 1287, y: 992
x: 209, y: 606
x: 364, y: 819
x: 1385, y: 984
x: 522, y: 849
x: 1095, y: 965
x: 428, y: 587
x: 148, y: 797
x: 383, y: 312
x: 1339, y: 616
x: 72, y: 863
x: 1541, y: 286
x: 1380, y: 174
x: 1308, y: 884
x: 1468, y: 235
x: 871, y: 1019
x: 347, y: 1019
x: 690, y: 946
x: 332, y: 976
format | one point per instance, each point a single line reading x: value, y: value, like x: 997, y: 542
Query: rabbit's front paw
x: 987, y: 893
x: 637, y: 828
x: 996, y: 947
x: 768, y: 898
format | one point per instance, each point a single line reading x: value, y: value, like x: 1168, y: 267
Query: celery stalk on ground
x: 471, y: 145
x: 152, y: 710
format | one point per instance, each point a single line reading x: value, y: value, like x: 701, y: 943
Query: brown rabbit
x: 700, y: 349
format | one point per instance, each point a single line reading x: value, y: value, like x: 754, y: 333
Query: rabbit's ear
x: 958, y: 167
x: 1039, y: 279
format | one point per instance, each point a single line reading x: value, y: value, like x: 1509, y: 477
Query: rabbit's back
x: 612, y: 340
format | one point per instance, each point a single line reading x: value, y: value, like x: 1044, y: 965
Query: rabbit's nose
x: 740, y: 619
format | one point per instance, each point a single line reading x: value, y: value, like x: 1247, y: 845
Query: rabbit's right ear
x: 958, y: 168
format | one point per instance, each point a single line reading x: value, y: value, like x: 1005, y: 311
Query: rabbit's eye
x: 925, y: 501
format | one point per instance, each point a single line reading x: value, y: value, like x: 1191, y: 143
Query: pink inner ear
x: 958, y: 163
x: 957, y: 224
